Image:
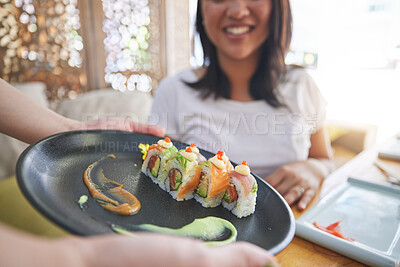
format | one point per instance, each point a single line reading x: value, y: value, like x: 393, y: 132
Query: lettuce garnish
x: 181, y: 159
x: 255, y: 187
x: 205, y: 163
x: 169, y: 152
x: 144, y: 148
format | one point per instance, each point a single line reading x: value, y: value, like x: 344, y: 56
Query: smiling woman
x: 259, y: 31
x: 244, y: 79
x: 234, y: 37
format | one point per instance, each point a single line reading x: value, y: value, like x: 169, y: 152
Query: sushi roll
x: 240, y: 196
x: 155, y: 160
x: 214, y: 180
x: 183, y: 174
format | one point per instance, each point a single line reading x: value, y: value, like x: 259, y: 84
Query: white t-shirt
x: 264, y: 136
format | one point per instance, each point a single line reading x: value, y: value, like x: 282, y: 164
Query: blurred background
x: 352, y: 49
x: 88, y: 58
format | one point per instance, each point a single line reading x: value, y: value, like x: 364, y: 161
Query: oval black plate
x: 50, y: 171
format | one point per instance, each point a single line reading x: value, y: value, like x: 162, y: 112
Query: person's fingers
x: 124, y: 124
x: 293, y: 194
x: 275, y: 178
x: 239, y: 254
x: 149, y: 249
x: 283, y: 179
x: 306, y: 198
x: 257, y: 256
x: 243, y: 254
x: 287, y: 183
x: 148, y: 129
x: 107, y: 124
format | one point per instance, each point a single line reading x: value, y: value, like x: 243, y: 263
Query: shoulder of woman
x: 168, y: 86
x: 298, y: 80
x: 299, y: 89
x: 176, y: 82
x: 297, y: 74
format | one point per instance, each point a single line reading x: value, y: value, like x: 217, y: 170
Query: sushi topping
x: 217, y: 161
x: 248, y: 182
x: 144, y: 148
x: 219, y: 182
x: 231, y: 193
x: 194, y: 148
x: 154, y: 165
x: 222, y: 156
x: 243, y: 169
x: 205, y: 163
x: 188, y: 154
x: 166, y: 143
x: 190, y: 184
x: 169, y: 152
x: 175, y: 179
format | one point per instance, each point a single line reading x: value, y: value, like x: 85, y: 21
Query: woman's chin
x: 237, y: 54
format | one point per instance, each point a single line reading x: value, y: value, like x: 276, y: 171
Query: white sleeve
x: 311, y: 102
x: 164, y: 110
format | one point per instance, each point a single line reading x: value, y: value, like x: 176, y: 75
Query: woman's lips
x: 238, y: 31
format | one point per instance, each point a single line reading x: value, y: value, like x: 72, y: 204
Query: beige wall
x: 177, y: 35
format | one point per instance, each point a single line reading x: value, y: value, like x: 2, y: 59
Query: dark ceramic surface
x: 50, y: 171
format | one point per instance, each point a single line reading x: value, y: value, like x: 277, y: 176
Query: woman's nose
x: 237, y: 9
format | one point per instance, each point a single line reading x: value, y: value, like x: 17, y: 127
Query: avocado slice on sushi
x: 203, y: 186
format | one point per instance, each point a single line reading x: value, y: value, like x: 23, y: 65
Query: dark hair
x: 271, y: 64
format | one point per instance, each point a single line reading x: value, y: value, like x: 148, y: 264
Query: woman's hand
x: 299, y: 181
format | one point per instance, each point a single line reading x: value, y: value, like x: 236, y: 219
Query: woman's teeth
x: 238, y: 30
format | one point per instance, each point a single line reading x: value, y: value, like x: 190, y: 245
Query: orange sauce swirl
x: 129, y: 204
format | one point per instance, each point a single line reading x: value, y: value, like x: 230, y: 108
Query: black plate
x: 50, y: 171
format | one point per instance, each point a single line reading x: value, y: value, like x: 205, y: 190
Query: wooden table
x: 304, y: 253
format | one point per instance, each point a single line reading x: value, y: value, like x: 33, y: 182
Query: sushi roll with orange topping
x: 214, y: 180
x: 183, y: 174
